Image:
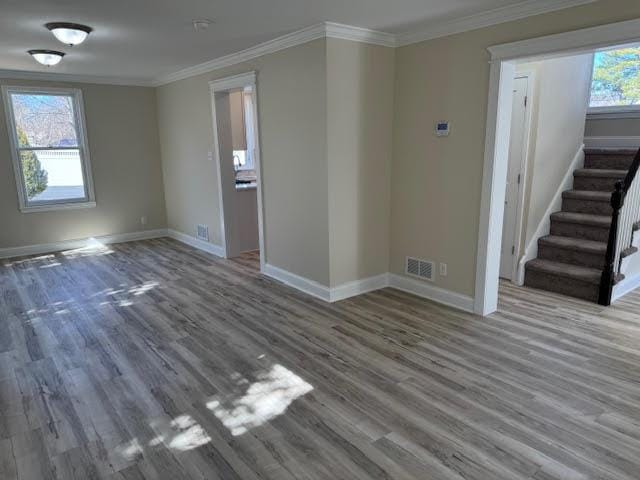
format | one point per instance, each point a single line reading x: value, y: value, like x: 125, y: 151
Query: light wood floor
x: 153, y: 360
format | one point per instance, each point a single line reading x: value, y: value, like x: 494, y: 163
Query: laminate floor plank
x: 153, y: 360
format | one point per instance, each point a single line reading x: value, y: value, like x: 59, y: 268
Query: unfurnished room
x: 288, y: 240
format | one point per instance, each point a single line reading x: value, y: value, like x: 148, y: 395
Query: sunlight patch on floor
x: 183, y: 433
x: 130, y: 450
x: 93, y: 248
x: 264, y: 400
x: 142, y: 289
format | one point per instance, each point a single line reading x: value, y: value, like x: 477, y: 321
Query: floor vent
x: 420, y: 268
x: 203, y: 232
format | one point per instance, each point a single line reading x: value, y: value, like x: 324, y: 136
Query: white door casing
x: 218, y: 89
x: 498, y: 127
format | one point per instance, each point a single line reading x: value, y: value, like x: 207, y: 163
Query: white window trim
x: 78, y: 106
x: 620, y: 111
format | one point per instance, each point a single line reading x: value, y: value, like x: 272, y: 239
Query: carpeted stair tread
x: 600, y: 173
x: 572, y: 272
x: 569, y: 243
x: 572, y: 257
x: 583, y: 219
x: 610, y: 151
x: 587, y: 195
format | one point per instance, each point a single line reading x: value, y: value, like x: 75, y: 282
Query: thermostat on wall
x: 442, y: 129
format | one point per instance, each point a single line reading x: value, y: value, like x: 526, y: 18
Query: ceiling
x: 144, y: 39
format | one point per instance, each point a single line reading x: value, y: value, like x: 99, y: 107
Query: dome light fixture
x: 201, y: 24
x: 69, y: 33
x: 47, y: 57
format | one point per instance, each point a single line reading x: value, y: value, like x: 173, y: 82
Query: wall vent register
x: 420, y: 268
x: 203, y: 232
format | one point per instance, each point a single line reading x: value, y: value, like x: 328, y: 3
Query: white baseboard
x: 624, y: 287
x: 311, y: 287
x: 358, y: 287
x: 80, y: 243
x: 431, y: 292
x: 212, y: 248
x: 555, y: 205
x: 303, y: 284
x: 612, y: 142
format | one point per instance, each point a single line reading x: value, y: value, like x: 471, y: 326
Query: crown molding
x: 346, y: 32
x: 299, y: 37
x: 66, y: 77
x: 358, y: 34
x: 486, y: 19
x: 314, y: 32
x: 575, y: 41
x: 321, y: 30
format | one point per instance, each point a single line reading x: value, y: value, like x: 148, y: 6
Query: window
x: 616, y: 81
x: 243, y: 159
x: 49, y: 148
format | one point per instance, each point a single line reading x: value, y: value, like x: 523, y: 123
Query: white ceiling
x: 143, y: 39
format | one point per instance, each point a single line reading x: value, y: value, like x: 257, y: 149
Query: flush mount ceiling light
x: 201, y: 24
x: 69, y: 33
x: 47, y: 57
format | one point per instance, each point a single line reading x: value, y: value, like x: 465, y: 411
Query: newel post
x: 606, y: 281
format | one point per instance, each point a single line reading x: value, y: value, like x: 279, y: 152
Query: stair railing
x: 625, y: 201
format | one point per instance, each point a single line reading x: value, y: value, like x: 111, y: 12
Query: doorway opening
x: 234, y: 103
x: 503, y: 74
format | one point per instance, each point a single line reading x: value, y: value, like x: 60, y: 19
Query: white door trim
x: 498, y: 130
x: 234, y: 82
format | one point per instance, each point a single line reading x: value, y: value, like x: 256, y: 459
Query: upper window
x: 49, y: 148
x: 616, y: 81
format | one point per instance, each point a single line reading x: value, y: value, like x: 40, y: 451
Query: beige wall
x: 612, y: 127
x: 292, y: 117
x: 359, y: 141
x: 436, y: 183
x: 559, y: 109
x: 325, y: 115
x: 125, y: 158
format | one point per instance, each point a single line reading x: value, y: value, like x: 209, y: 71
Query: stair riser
x: 586, y: 206
x: 577, y: 230
x: 562, y: 285
x: 572, y: 257
x: 613, y: 162
x: 599, y: 184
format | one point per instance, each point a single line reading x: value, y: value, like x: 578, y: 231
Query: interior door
x: 514, y: 176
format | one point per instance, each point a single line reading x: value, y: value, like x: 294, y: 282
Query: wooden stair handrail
x: 617, y: 202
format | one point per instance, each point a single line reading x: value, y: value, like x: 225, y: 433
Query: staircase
x: 572, y: 258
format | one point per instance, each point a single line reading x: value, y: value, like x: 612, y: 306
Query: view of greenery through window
x: 48, y: 146
x: 616, y: 78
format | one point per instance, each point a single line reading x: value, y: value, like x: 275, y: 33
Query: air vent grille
x: 203, y: 232
x: 420, y: 268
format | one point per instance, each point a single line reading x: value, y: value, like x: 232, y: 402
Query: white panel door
x: 514, y: 176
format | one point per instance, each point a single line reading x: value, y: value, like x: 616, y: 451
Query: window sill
x: 613, y: 113
x: 57, y: 206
